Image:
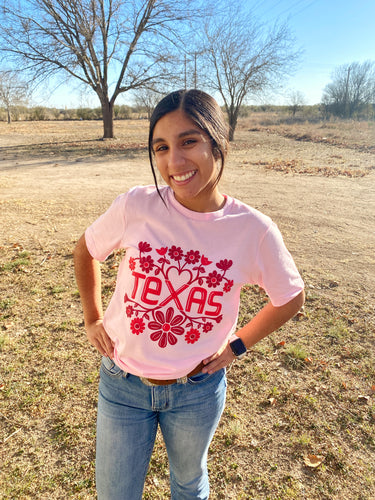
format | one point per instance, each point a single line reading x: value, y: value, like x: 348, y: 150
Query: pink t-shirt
x: 178, y: 287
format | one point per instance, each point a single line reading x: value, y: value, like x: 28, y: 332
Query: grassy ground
x: 300, y: 416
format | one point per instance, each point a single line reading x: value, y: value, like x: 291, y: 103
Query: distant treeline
x: 42, y: 113
x: 126, y: 112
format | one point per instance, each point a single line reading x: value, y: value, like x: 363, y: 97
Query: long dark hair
x: 204, y: 111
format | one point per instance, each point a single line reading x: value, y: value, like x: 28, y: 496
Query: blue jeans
x: 129, y: 413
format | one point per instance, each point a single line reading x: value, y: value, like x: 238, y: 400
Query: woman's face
x: 184, y: 158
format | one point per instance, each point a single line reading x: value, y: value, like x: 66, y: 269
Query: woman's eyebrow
x: 192, y: 131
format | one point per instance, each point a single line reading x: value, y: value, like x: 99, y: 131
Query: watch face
x: 238, y: 347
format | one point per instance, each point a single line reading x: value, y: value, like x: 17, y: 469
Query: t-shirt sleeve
x: 107, y: 232
x: 277, y: 272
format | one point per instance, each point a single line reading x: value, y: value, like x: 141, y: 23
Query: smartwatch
x: 238, y: 348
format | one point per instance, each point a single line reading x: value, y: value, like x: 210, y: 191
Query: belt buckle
x: 147, y: 382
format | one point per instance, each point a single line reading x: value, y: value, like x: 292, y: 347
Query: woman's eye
x: 160, y: 149
x: 189, y: 142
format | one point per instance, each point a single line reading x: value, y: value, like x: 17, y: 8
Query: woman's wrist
x: 237, y: 346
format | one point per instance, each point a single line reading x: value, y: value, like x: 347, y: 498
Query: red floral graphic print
x: 192, y: 336
x: 162, y: 251
x: 207, y: 327
x: 144, y: 246
x: 166, y: 327
x: 132, y: 263
x: 192, y: 257
x: 129, y: 311
x: 146, y: 263
x: 175, y: 253
x: 224, y: 265
x: 137, y: 326
x: 160, y: 281
x: 213, y: 279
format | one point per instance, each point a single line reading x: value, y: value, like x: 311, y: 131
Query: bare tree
x: 296, y: 101
x: 110, y: 45
x: 13, y: 92
x: 148, y: 99
x: 246, y: 58
x: 352, y: 89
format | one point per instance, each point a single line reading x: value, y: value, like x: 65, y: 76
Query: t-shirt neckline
x: 191, y: 214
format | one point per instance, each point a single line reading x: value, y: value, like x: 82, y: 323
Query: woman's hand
x: 99, y: 338
x: 222, y: 358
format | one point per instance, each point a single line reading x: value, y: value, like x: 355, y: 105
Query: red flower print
x: 175, y: 253
x: 144, y: 246
x: 137, y: 326
x: 224, y: 265
x: 213, y: 279
x: 219, y: 318
x: 131, y: 264
x: 228, y: 286
x: 192, y: 257
x: 207, y: 327
x: 192, y: 336
x: 129, y: 311
x: 146, y: 263
x: 162, y: 251
x: 205, y: 261
x: 166, y: 327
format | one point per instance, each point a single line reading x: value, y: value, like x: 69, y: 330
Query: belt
x: 182, y: 380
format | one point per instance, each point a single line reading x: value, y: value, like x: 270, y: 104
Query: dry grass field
x: 300, y: 416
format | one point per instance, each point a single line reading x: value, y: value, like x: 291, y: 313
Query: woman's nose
x: 176, y: 157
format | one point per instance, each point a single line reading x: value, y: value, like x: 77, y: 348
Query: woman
x: 168, y: 332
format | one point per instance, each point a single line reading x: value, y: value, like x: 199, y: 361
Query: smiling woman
x: 204, y: 121
x: 168, y: 332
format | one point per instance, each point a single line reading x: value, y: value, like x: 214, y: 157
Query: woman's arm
x: 268, y: 319
x: 88, y: 276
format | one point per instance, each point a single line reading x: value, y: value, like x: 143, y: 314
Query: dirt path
x: 328, y: 222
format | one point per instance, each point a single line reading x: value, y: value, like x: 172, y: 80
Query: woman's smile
x: 181, y: 178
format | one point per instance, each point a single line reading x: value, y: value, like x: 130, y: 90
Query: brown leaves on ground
x: 297, y: 167
x: 313, y: 461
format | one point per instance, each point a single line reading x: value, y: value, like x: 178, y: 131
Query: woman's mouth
x: 184, y: 177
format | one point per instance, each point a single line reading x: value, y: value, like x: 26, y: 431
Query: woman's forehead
x: 175, y: 124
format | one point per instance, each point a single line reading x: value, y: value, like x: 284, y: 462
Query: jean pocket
x: 110, y: 368
x: 199, y: 378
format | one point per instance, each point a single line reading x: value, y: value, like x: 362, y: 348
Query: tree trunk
x: 107, y: 109
x: 9, y: 116
x: 232, y: 125
x: 231, y: 133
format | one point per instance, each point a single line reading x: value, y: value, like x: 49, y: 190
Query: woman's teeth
x: 184, y: 177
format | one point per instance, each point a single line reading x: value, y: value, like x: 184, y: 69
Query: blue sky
x: 330, y: 32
